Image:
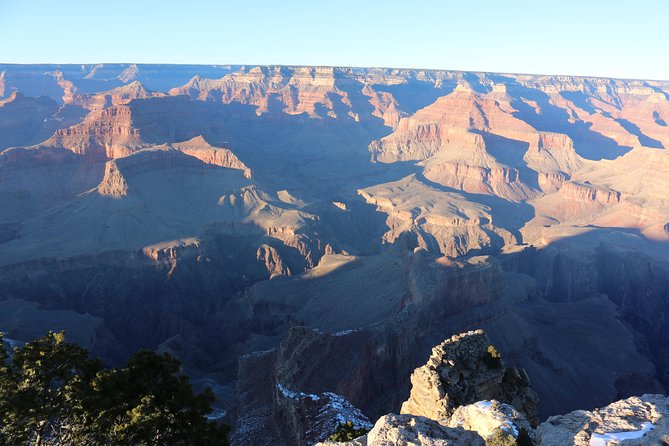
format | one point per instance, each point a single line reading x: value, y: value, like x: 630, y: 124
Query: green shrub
x: 52, y: 393
x: 492, y: 358
x: 504, y: 438
x: 501, y: 438
x: 346, y: 432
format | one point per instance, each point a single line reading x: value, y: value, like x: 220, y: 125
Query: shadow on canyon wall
x: 584, y: 317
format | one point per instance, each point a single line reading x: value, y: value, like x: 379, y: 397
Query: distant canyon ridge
x: 208, y: 210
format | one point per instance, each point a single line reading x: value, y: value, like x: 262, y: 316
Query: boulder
x: 490, y: 419
x: 633, y: 421
x: 409, y: 430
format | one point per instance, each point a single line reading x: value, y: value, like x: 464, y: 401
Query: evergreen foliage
x: 501, y: 438
x: 346, y: 432
x: 52, y: 393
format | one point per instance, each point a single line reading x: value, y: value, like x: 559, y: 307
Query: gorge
x: 342, y: 222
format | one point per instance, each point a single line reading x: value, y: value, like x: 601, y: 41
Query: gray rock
x: 487, y: 418
x: 634, y: 421
x: 409, y: 430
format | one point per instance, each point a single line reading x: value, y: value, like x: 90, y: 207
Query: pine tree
x: 52, y: 393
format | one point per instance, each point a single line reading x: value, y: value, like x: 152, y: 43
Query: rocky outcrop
x: 496, y: 179
x: 552, y: 152
x: 479, y: 423
x: 633, y: 421
x: 324, y: 92
x: 108, y: 133
x: 117, y: 96
x: 492, y: 419
x: 414, y: 430
x: 119, y: 130
x: 273, y: 261
x: 279, y: 398
x: 117, y: 172
x: 199, y: 148
x: 308, y: 418
x: 589, y: 193
x: 450, y: 227
x: 550, y: 182
x: 463, y: 370
x: 113, y: 183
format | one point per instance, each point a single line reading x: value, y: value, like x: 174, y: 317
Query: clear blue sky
x: 616, y: 38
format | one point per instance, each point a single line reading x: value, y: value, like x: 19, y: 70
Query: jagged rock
x: 308, y: 418
x: 634, y: 421
x: 463, y: 370
x: 113, y: 183
x: 410, y: 430
x: 451, y: 226
x: 283, y: 399
x: 117, y: 96
x: 489, y: 417
x: 586, y: 193
x: 199, y: 148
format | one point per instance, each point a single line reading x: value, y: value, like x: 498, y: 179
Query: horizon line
x: 368, y: 67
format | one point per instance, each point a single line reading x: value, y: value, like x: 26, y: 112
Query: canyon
x: 329, y: 226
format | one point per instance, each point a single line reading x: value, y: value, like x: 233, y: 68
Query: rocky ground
x: 432, y: 417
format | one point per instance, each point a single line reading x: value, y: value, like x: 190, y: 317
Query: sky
x: 611, y: 38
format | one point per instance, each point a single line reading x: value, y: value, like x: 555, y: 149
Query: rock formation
x: 282, y: 401
x: 490, y: 419
x: 463, y: 370
x: 632, y: 421
x: 413, y: 430
x: 308, y: 418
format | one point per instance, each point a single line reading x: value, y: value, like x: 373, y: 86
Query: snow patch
x: 344, y: 332
x: 496, y: 409
x: 603, y: 439
x: 326, y: 412
x: 296, y: 395
x: 345, y: 411
x: 217, y: 414
x: 257, y: 353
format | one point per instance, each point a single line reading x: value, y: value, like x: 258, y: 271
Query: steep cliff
x: 444, y: 421
x: 463, y: 370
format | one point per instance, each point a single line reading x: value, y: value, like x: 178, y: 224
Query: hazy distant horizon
x: 598, y: 38
x: 516, y: 73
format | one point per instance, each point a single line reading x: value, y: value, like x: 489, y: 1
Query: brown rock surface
x: 463, y: 370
